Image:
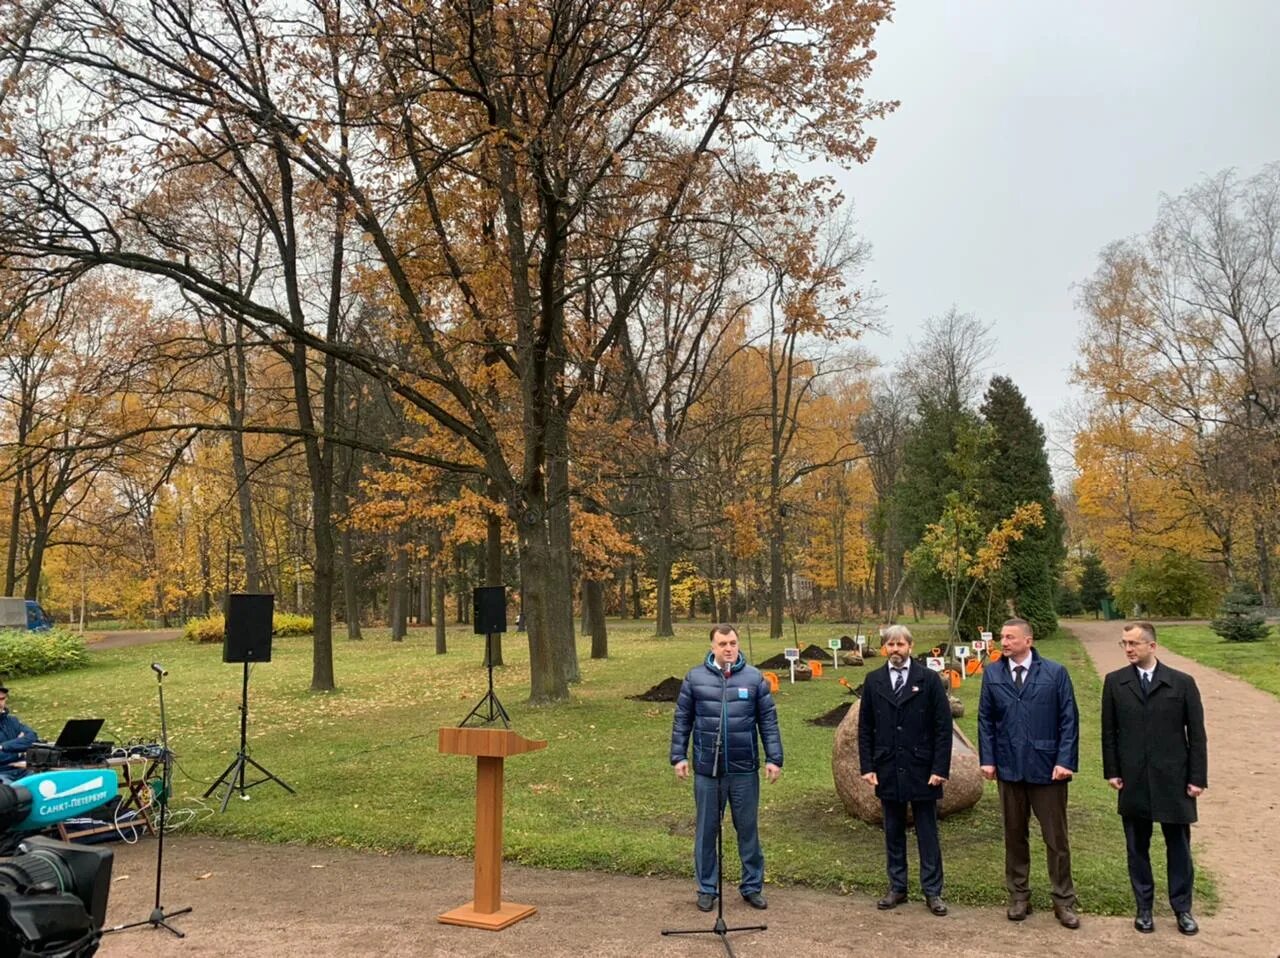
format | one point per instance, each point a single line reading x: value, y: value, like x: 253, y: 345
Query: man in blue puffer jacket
x: 725, y: 704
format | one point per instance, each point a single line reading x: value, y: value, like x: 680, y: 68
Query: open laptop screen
x: 79, y: 733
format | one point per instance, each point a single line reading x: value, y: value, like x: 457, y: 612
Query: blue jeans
x: 742, y: 792
x: 10, y: 774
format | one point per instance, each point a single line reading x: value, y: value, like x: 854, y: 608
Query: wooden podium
x: 490, y: 746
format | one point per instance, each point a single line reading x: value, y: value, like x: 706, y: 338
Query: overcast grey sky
x: 1032, y: 134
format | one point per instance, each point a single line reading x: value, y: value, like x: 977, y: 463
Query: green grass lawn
x: 600, y: 796
x: 1258, y: 663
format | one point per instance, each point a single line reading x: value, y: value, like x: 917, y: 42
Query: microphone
x: 159, y: 669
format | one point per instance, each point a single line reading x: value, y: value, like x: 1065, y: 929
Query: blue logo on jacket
x: 744, y: 694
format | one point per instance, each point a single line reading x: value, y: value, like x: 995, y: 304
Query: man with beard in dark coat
x: 1156, y: 755
x: 904, y: 749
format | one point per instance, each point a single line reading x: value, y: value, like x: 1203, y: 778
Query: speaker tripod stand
x: 493, y: 710
x: 234, y: 777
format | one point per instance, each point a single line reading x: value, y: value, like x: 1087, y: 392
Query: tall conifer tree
x: 1018, y: 472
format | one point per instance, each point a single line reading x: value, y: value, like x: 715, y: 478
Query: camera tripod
x: 159, y: 918
x: 236, y: 770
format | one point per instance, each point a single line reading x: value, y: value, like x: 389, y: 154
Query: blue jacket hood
x: 738, y: 665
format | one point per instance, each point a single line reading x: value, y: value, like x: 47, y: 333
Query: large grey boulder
x: 963, y: 788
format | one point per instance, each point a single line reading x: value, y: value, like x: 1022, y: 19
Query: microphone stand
x: 719, y: 929
x: 159, y: 918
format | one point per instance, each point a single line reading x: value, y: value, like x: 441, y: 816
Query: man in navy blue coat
x: 15, y: 738
x: 724, y: 704
x: 904, y: 749
x: 1029, y: 739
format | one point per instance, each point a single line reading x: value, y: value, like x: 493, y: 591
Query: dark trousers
x: 895, y: 844
x: 742, y: 793
x: 1049, y: 803
x: 1177, y: 844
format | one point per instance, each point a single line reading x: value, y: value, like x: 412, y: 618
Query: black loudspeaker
x: 247, y: 637
x: 489, y: 603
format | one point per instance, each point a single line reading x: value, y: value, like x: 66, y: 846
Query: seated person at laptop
x: 15, y: 738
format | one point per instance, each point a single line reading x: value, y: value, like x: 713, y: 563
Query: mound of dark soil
x: 778, y: 661
x: 834, y: 717
x: 668, y: 690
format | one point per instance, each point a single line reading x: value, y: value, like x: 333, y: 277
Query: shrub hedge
x: 25, y: 653
x: 283, y: 624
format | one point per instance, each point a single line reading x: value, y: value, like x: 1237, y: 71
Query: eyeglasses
x: 1131, y: 644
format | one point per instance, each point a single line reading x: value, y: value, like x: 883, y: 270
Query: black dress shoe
x: 706, y: 902
x: 891, y: 900
x: 1186, y: 924
x: 755, y: 900
x: 1019, y: 909
x: 1143, y: 921
x: 936, y: 904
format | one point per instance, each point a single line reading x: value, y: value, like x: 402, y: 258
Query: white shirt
x: 1149, y: 673
x: 1024, y: 663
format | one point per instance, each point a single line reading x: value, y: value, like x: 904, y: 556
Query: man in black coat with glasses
x: 1156, y: 755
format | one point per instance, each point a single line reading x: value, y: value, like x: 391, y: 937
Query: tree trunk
x: 298, y: 587
x: 586, y: 608
x: 777, y: 582
x: 664, y: 548
x: 493, y: 573
x: 1262, y: 545
x: 593, y: 605
x: 398, y: 598
x: 664, y: 626
x: 15, y: 531
x: 635, y: 591
x: 39, y: 542
x: 561, y: 583
x: 547, y: 682
x: 424, y: 594
x: 733, y: 589
x: 439, y: 581
x: 350, y: 596
x: 244, y: 505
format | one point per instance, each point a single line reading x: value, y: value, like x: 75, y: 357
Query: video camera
x: 53, y: 895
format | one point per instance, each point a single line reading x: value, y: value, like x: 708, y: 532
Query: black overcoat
x: 905, y: 739
x: 1156, y: 743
